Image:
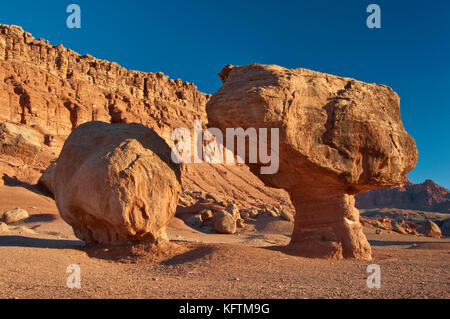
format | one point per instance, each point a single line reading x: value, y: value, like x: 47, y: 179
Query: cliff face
x: 427, y: 196
x: 54, y: 90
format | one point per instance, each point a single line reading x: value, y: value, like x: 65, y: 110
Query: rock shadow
x: 35, y: 188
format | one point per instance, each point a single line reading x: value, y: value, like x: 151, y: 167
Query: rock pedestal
x: 337, y: 137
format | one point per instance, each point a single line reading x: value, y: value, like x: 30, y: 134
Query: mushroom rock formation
x: 116, y: 183
x: 337, y: 137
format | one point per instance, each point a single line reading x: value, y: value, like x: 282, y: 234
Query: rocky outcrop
x: 116, y: 183
x: 53, y: 90
x: 427, y: 196
x: 19, y: 141
x: 337, y: 137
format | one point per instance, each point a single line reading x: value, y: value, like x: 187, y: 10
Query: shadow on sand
x: 15, y: 182
x: 21, y: 241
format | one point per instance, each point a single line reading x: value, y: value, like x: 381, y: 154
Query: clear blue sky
x: 193, y: 40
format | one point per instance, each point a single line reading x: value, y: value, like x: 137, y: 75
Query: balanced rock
x: 432, y: 229
x: 116, y: 183
x: 337, y: 137
x: 15, y: 215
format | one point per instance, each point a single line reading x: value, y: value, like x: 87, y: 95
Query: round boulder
x: 116, y: 183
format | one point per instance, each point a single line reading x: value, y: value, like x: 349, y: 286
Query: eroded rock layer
x: 54, y: 90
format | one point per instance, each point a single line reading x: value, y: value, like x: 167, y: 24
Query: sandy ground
x: 250, y: 264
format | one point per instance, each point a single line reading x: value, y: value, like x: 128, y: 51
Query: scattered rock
x: 271, y: 212
x: 206, y: 214
x: 3, y: 227
x: 254, y: 213
x: 116, y: 183
x: 378, y: 231
x: 224, y: 223
x: 195, y: 221
x: 398, y: 228
x: 245, y: 214
x: 432, y: 229
x: 240, y: 223
x: 287, y: 215
x: 15, y: 215
x: 233, y: 210
x: 213, y: 197
x: 19, y: 141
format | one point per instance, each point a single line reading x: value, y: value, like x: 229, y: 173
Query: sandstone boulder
x: 47, y: 178
x: 337, y: 137
x: 432, y: 230
x: 3, y: 227
x: 19, y: 141
x: 15, y: 215
x: 224, y: 222
x: 116, y: 183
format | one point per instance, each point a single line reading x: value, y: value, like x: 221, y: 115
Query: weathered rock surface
x: 15, y: 215
x: 19, y: 141
x: 47, y: 178
x: 116, y: 183
x: 427, y: 196
x: 54, y: 90
x: 338, y: 137
x: 224, y: 222
x: 432, y: 230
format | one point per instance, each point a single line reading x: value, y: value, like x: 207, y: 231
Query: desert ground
x: 199, y: 264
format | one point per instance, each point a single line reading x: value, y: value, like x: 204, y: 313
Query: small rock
x: 244, y: 214
x: 378, y: 231
x: 240, y: 223
x: 271, y: 212
x: 224, y: 223
x: 398, y: 228
x: 285, y: 214
x: 432, y: 230
x: 206, y: 214
x: 233, y: 210
x: 15, y: 215
x: 254, y: 213
x: 3, y: 228
x: 195, y: 221
x: 213, y: 197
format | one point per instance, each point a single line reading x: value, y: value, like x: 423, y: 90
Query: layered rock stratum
x: 53, y: 90
x: 337, y: 137
x: 427, y: 196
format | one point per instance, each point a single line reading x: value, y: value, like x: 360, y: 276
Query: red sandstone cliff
x: 53, y: 90
x: 427, y: 196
